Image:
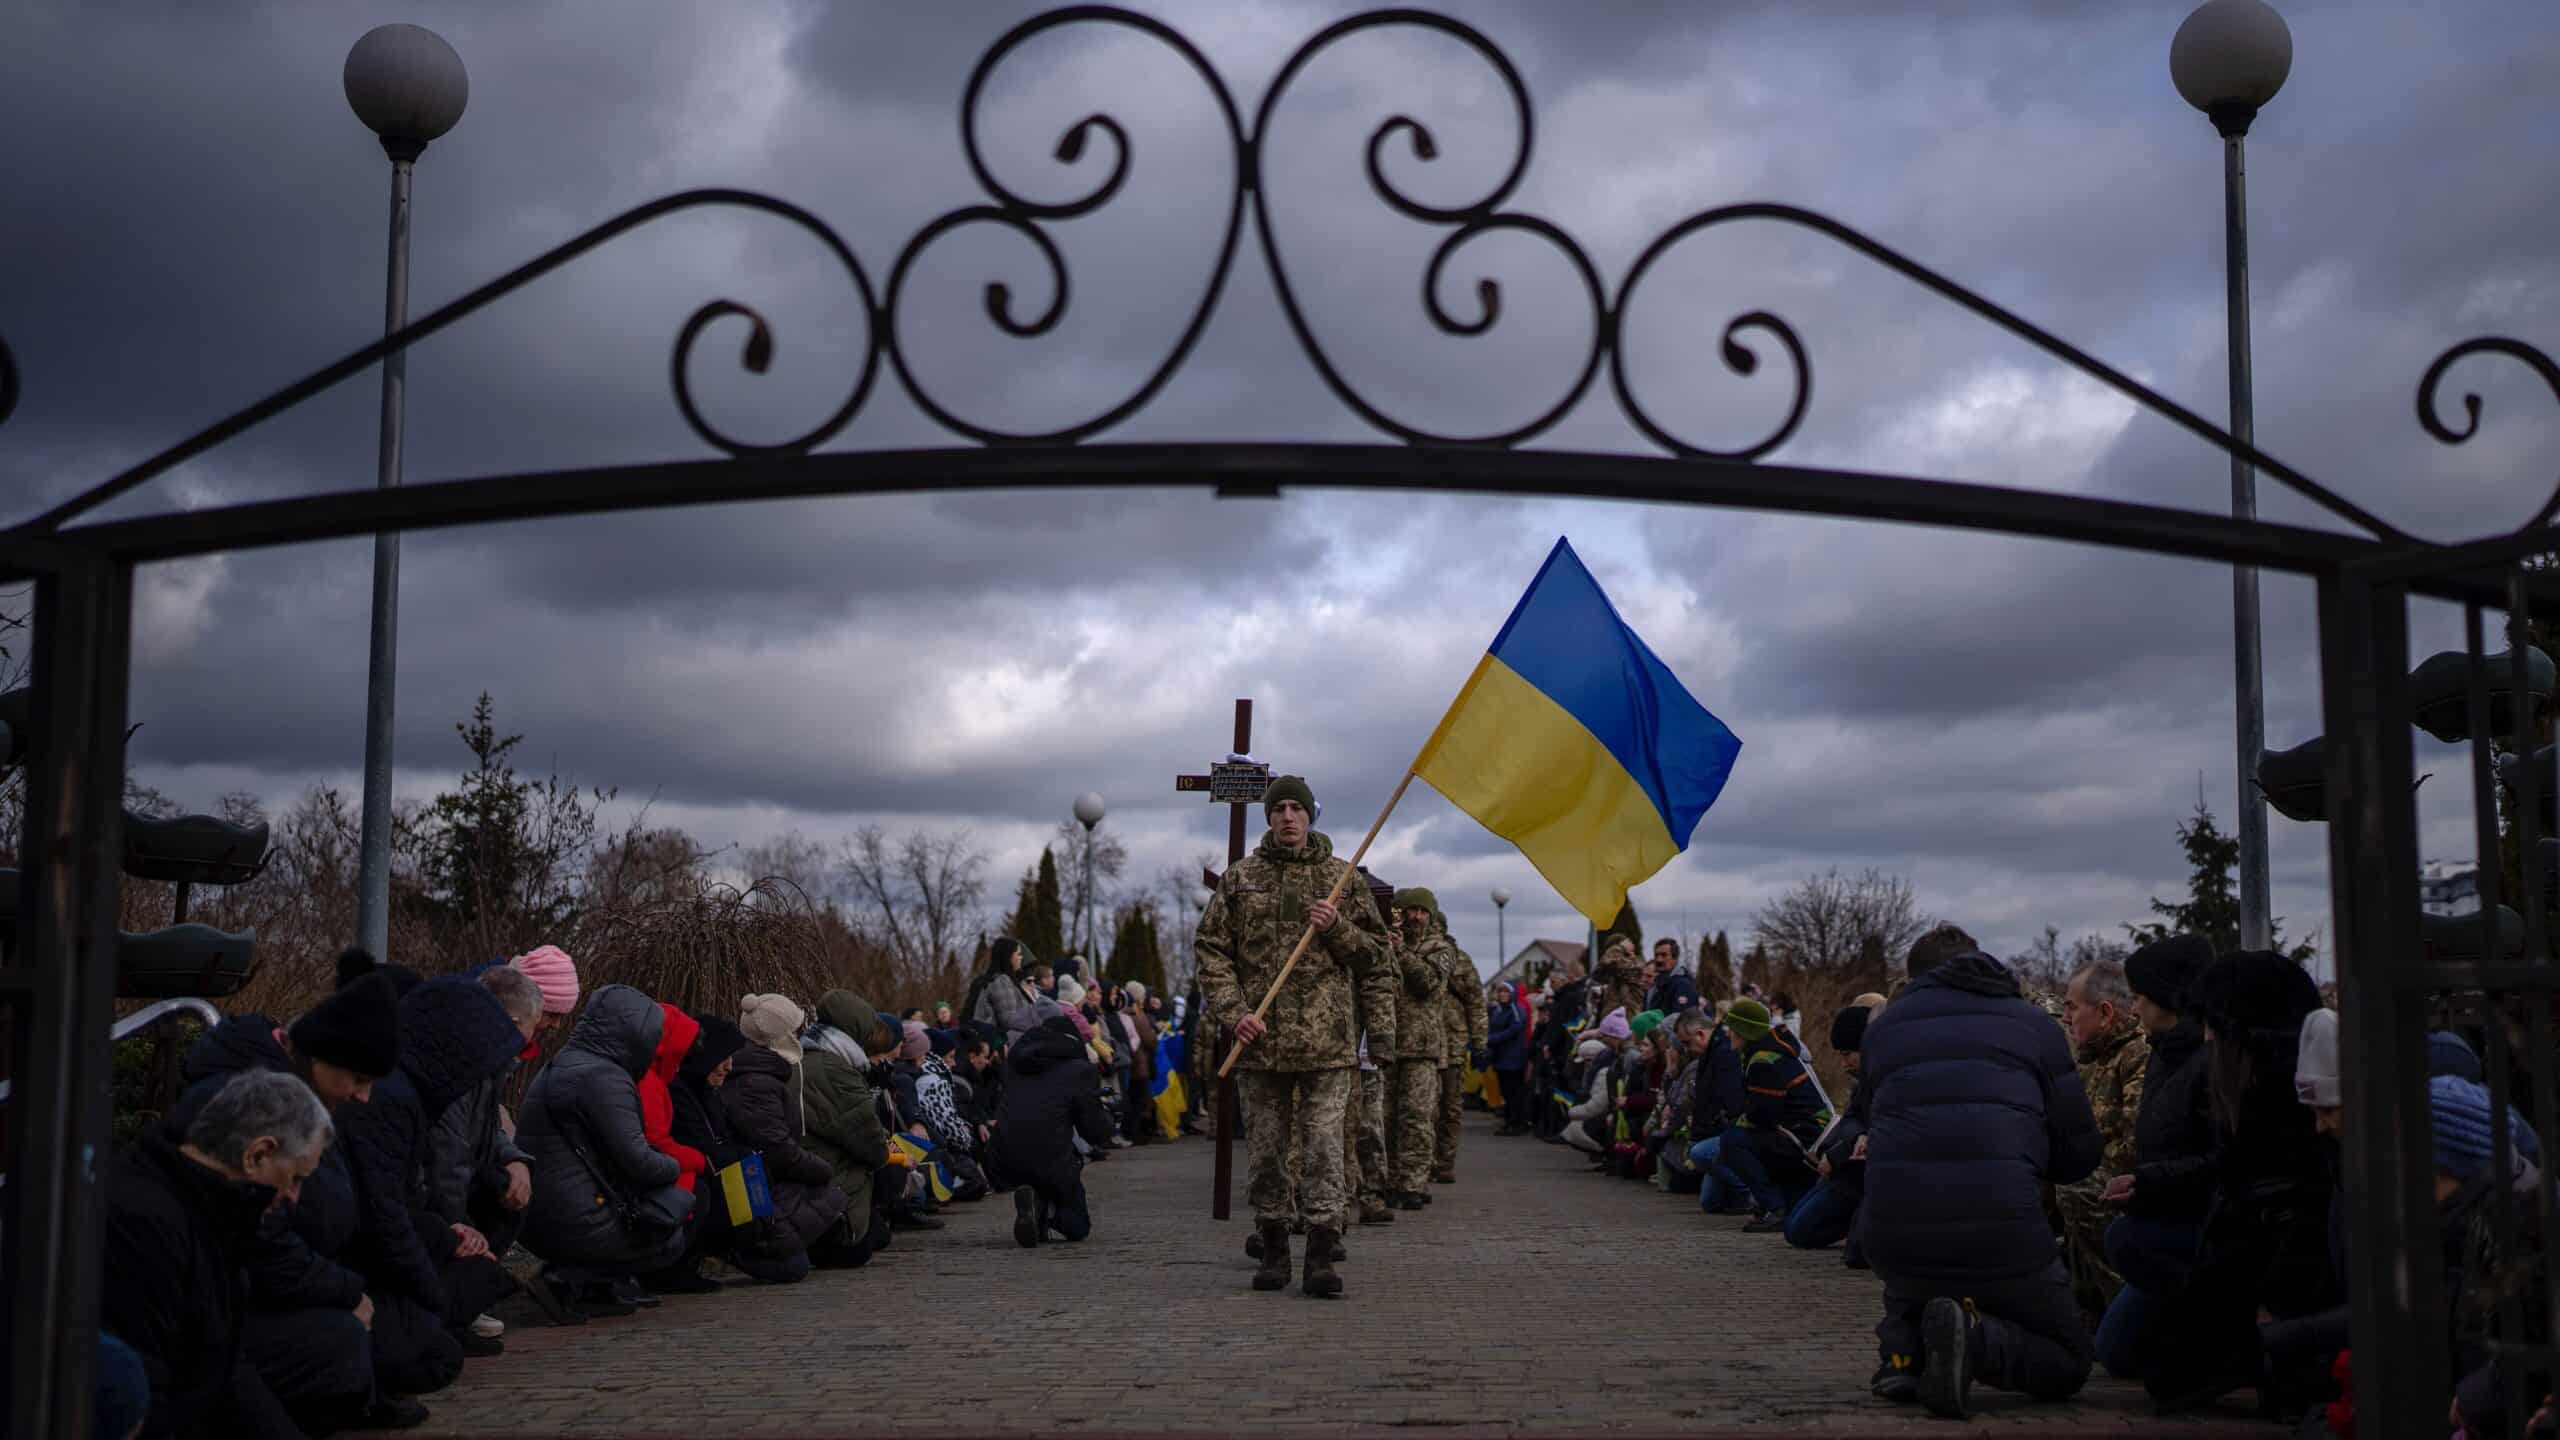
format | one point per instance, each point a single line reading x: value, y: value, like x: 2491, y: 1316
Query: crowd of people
x: 316, y: 1234
x: 2141, y: 1172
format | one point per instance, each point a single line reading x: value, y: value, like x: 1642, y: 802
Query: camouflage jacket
x: 1246, y: 934
x: 1462, y: 1011
x: 1618, y: 981
x: 1422, y: 1012
x: 2111, y: 1071
x: 1375, y: 1000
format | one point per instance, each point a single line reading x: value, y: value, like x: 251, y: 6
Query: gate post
x: 2394, y: 1276
x: 63, y: 983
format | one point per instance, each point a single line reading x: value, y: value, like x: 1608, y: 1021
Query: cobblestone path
x: 1531, y: 1296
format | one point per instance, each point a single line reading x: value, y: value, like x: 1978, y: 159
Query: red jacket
x: 657, y: 1103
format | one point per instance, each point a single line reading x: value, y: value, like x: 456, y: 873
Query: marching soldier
x: 1423, y: 957
x: 1297, y: 1070
x: 1462, y: 1044
x: 1379, y: 1006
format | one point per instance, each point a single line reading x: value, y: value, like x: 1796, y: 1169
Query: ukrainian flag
x: 1573, y: 741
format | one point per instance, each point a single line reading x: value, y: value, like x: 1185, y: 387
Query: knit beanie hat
x: 1748, y: 1019
x: 1849, y: 1029
x: 773, y: 1022
x: 557, y: 974
x: 1289, y: 787
x: 1645, y: 1023
x: 721, y: 1038
x: 1869, y: 1001
x: 859, y: 1020
x: 2450, y: 1054
x: 2459, y: 1112
x: 912, y: 1041
x: 2250, y: 990
x: 1416, y: 898
x: 1589, y: 1050
x: 2164, y: 970
x: 2315, y: 1068
x: 1084, y: 1027
x: 1615, y: 1024
x: 1070, y: 994
x: 357, y: 1028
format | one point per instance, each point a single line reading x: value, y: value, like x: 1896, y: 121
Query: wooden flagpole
x: 1309, y: 934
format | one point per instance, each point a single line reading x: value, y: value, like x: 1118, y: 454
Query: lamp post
x: 1501, y: 936
x: 1089, y: 813
x: 409, y: 88
x: 2229, y: 58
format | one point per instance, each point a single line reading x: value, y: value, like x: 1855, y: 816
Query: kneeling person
x: 1052, y: 1093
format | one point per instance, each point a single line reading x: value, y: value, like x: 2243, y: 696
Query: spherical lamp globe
x: 1089, y: 809
x: 2230, y: 58
x: 406, y: 85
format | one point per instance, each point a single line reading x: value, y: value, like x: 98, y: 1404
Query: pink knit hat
x: 915, y: 1041
x: 551, y: 968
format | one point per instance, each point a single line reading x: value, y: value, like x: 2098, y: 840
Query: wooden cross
x: 1226, y: 782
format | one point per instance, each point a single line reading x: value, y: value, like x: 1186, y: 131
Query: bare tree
x: 646, y: 865
x: 1820, y: 926
x: 925, y: 887
x: 2089, y: 949
x: 2043, y: 963
x: 1110, y: 857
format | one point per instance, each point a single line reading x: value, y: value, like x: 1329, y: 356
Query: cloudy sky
x: 190, y: 216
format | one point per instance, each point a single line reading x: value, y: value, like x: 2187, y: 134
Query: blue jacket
x: 1672, y: 994
x: 1974, y: 1104
x: 1506, y: 1036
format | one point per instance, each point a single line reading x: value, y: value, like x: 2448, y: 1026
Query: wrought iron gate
x: 59, y: 990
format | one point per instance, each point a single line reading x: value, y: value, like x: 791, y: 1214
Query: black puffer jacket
x: 293, y: 1262
x: 1050, y: 1090
x: 1975, y: 1105
x: 762, y: 1098
x: 453, y: 1035
x: 588, y: 1098
x: 2175, y: 1144
x: 176, y: 1234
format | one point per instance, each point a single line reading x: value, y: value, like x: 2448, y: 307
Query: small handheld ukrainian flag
x: 1573, y: 741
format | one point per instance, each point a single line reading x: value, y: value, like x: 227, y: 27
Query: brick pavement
x: 1531, y: 1296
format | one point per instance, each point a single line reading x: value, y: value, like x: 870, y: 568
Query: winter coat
x: 588, y: 1098
x: 2175, y: 1145
x: 1564, y: 1011
x: 1779, y: 1093
x: 1050, y: 1091
x: 1673, y: 993
x: 1462, y: 1017
x: 454, y: 1035
x: 1720, y: 1097
x: 938, y: 1107
x: 842, y: 1113
x: 1618, y: 982
x: 294, y: 1260
x: 1143, y: 1060
x: 657, y: 1100
x: 1506, y: 1035
x: 762, y: 1102
x: 1247, y: 933
x: 469, y: 1150
x: 176, y: 1236
x: 1422, y: 969
x: 1975, y: 1105
x: 1006, y: 1004
x: 901, y: 1079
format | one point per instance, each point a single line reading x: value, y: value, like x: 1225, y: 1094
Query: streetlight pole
x: 1089, y: 814
x: 1501, y: 934
x: 409, y: 86
x: 2228, y: 60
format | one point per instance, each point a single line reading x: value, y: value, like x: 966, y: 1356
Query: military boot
x: 1253, y: 1243
x: 1274, y: 1274
x: 1339, y: 1254
x: 1408, y: 1200
x: 1374, y: 1211
x: 1322, y: 1246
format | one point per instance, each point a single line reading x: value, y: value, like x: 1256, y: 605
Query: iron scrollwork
x: 2433, y: 422
x: 1008, y: 208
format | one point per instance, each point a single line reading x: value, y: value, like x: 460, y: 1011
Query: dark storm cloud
x: 190, y: 217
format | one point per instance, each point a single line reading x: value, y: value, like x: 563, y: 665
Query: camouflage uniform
x: 1297, y: 1079
x: 2111, y: 1071
x: 1413, y: 1102
x: 1618, y: 981
x: 1462, y: 1034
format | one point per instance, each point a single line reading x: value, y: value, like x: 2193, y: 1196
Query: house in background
x: 1537, y: 956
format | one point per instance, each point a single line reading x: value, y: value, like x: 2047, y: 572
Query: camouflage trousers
x: 1371, y: 1146
x: 1413, y: 1118
x: 1453, y: 1094
x: 2085, y: 1218
x: 1296, y: 1115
